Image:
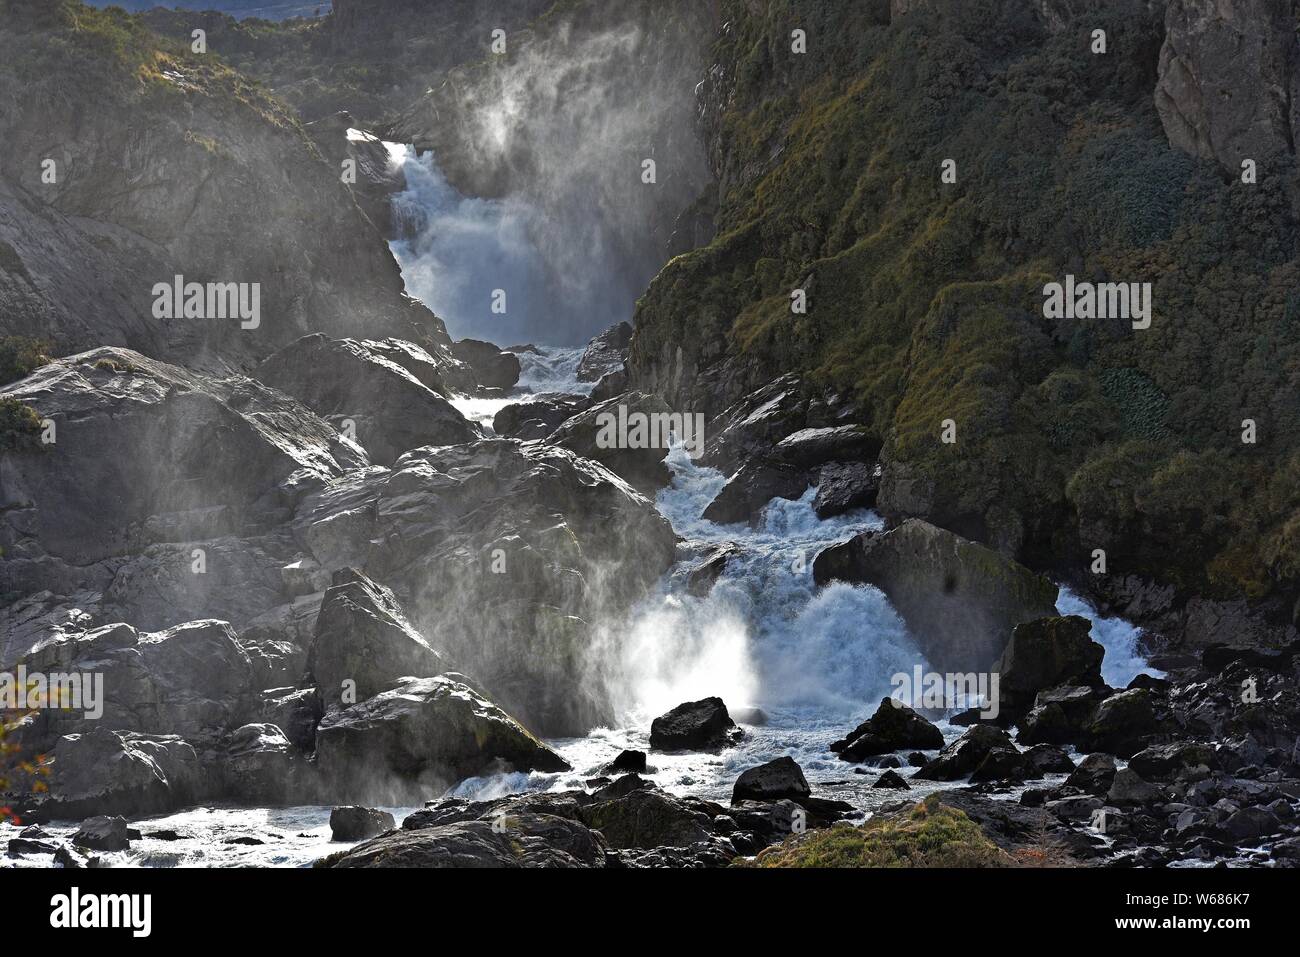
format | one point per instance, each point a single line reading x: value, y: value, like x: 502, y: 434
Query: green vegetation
x: 929, y: 835
x: 20, y: 426
x: 20, y: 356
x: 925, y: 298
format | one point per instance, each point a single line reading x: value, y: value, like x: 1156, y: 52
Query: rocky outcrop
x: 752, y: 487
x: 968, y: 753
x: 370, y: 398
x: 1229, y: 85
x: 422, y: 735
x: 893, y: 727
x: 364, y: 643
x: 533, y: 542
x: 782, y: 778
x: 605, y: 353
x: 844, y: 486
x: 537, y: 417
x: 135, y: 203
x: 628, y: 434
x: 1044, y: 654
x: 960, y: 600
x: 694, y: 726
x: 494, y: 368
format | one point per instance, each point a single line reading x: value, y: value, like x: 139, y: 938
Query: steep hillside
x: 165, y: 163
x: 926, y: 299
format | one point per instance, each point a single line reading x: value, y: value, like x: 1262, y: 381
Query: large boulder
x: 363, y: 638
x: 102, y: 833
x: 1229, y: 79
x: 373, y: 399
x: 752, y: 487
x: 1043, y: 654
x: 1123, y: 724
x: 628, y: 434
x: 149, y: 452
x: 121, y: 772
x: 534, y: 543
x: 959, y: 599
x: 422, y: 735
x: 537, y: 417
x: 494, y: 368
x: 773, y: 781
x: 844, y: 486
x: 893, y: 727
x: 967, y: 753
x: 353, y: 823
x: 646, y: 818
x: 694, y: 726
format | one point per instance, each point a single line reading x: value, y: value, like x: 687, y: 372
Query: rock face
x: 782, y: 778
x: 1229, y: 86
x: 752, y: 487
x: 893, y: 727
x: 380, y: 404
x: 844, y: 486
x: 121, y: 772
x: 422, y: 734
x: 537, y: 417
x: 132, y: 205
x: 606, y: 353
x: 960, y: 600
x: 694, y: 726
x: 363, y: 637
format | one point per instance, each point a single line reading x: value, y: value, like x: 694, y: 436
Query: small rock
x: 354, y: 823
x: 773, y: 781
x: 892, y: 780
x: 103, y: 834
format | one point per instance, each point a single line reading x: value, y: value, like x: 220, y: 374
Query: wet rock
x: 1094, y: 774
x: 773, y: 781
x: 538, y: 417
x: 1044, y: 654
x: 295, y: 712
x: 517, y: 840
x: 120, y: 772
x: 362, y: 637
x: 629, y: 434
x: 917, y: 760
x: 752, y: 487
x: 959, y: 599
x: 611, y: 384
x: 1049, y: 760
x: 605, y: 353
x: 28, y: 845
x: 387, y: 410
x: 892, y: 780
x: 1250, y: 823
x: 629, y: 761
x: 893, y: 727
x: 705, y: 575
x: 694, y: 726
x: 1128, y: 787
x: 71, y: 859
x: 494, y: 368
x: 811, y: 448
x: 422, y: 733
x: 353, y: 823
x: 1122, y: 723
x: 260, y: 766
x: 102, y: 834
x: 844, y: 486
x: 621, y: 788
x: 965, y: 754
x: 646, y: 818
x: 1005, y: 766
x: 1162, y: 762
x: 1077, y: 808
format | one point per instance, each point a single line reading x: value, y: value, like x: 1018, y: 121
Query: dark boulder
x: 959, y: 599
x: 844, y: 486
x: 966, y: 754
x: 606, y: 353
x: 752, y: 487
x: 773, y: 781
x: 103, y: 834
x: 353, y: 823
x: 694, y: 726
x: 629, y: 761
x: 704, y: 576
x: 494, y: 368
x: 892, y: 780
x: 1122, y: 724
x: 1043, y: 654
x: 1094, y: 774
x: 893, y: 727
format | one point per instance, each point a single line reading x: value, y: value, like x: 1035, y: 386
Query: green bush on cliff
x: 929, y: 835
x: 20, y: 426
x: 20, y: 356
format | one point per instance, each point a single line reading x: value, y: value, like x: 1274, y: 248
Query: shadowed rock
x: 694, y: 726
x: 893, y: 727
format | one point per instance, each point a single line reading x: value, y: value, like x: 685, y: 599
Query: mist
x: 526, y: 176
